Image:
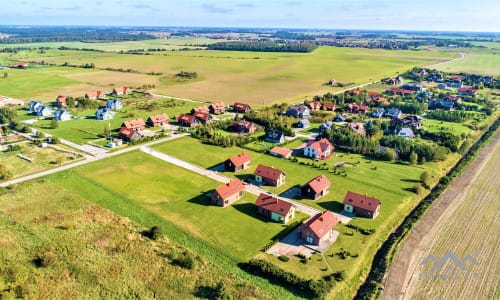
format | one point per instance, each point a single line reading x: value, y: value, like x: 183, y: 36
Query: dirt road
x: 461, y: 220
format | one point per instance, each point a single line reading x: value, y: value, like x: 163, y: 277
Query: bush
x: 45, y: 260
x: 284, y: 258
x: 418, y: 189
x: 153, y: 233
x: 186, y: 261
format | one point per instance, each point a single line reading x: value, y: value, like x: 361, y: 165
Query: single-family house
x: 393, y: 113
x: 329, y: 106
x: 217, y: 108
x: 94, y: 95
x: 325, y: 126
x: 44, y: 111
x: 339, y: 119
x: 188, y: 120
x: 281, y: 152
x: 121, y: 90
x: 455, y: 81
x: 34, y: 105
x: 137, y: 124
x: 321, y: 149
x: 314, y: 105
x: 406, y: 132
x: 205, y: 118
x: 453, y: 98
x: 61, y: 101
x: 357, y: 127
x: 275, y: 136
x: 381, y: 101
x: 373, y: 95
x: 62, y: 115
x: 243, y: 126
x: 238, y: 162
x: 319, y: 228
x: 355, y: 108
x: 467, y: 92
x: 412, y: 86
x: 157, y: 121
x: 114, y: 104
x: 241, y: 107
x: 304, y: 123
x: 378, y: 113
x: 414, y: 122
x: 269, y: 176
x: 441, y: 104
x: 361, y: 205
x: 200, y: 109
x: 129, y: 134
x: 442, y: 86
x: 300, y: 111
x: 275, y: 209
x: 104, y: 114
x: 228, y: 193
x: 316, y: 188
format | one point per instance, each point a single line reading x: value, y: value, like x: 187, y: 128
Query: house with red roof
x: 121, y: 90
x: 228, y: 193
x: 281, y: 152
x: 201, y: 109
x: 137, y: 124
x: 244, y: 127
x: 94, y: 95
x: 355, y: 108
x: 204, y: 118
x: 361, y: 205
x: 314, y: 105
x: 217, y: 108
x: 241, y: 107
x: 275, y: 209
x: 238, y: 162
x: 188, y: 120
x: 157, y: 121
x: 319, y: 229
x: 316, y: 188
x: 357, y: 127
x: 61, y: 101
x: 329, y: 106
x: 321, y: 149
x: 128, y: 134
x: 465, y: 91
x: 269, y: 176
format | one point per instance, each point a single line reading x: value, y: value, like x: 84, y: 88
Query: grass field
x: 256, y: 77
x: 475, y: 61
x: 98, y: 254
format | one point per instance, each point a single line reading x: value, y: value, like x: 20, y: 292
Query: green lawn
x: 438, y: 126
x: 477, y: 61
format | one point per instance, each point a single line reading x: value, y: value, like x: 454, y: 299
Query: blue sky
x: 455, y: 15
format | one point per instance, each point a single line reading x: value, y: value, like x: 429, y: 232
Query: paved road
x: 88, y: 159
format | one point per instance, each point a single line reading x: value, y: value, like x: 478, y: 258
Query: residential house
x: 300, y: 111
x: 34, y: 105
x: 373, y: 95
x: 275, y: 136
x: 62, y: 115
x: 188, y: 120
x: 114, y: 104
x: 442, y: 86
x: 325, y: 126
x: 217, y: 108
x: 316, y: 188
x: 94, y: 95
x: 157, y: 121
x: 244, y: 127
x: 453, y: 98
x: 455, y: 81
x: 121, y: 90
x: 339, y: 119
x: 269, y: 176
x: 61, y: 101
x: 321, y: 149
x: 205, y: 118
x: 406, y: 132
x: 441, y: 104
x: 22, y: 65
x: 414, y: 122
x: 329, y: 106
x: 354, y: 108
x: 228, y: 193
x: 238, y: 162
x: 200, y: 109
x: 467, y: 92
x: 129, y: 134
x: 281, y: 152
x: 44, y: 111
x: 275, y: 209
x: 241, y: 107
x: 304, y: 123
x: 314, y: 105
x: 379, y: 113
x: 104, y: 114
x: 361, y: 205
x: 357, y: 128
x: 381, y: 101
x: 137, y: 124
x: 412, y: 86
x: 393, y: 113
x: 319, y: 228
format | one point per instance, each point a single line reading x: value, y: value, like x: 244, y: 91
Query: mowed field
x: 254, y: 77
x: 475, y: 61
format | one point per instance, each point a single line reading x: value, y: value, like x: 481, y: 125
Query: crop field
x: 95, y: 253
x: 475, y: 61
x: 255, y: 77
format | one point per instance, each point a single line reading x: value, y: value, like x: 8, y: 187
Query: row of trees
x: 450, y: 116
x: 261, y: 46
x: 270, y: 118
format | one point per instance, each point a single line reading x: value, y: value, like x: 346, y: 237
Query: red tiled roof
x: 202, y: 109
x: 229, y: 189
x: 134, y: 123
x: 321, y: 146
x: 129, y: 133
x: 94, y: 94
x: 314, y: 105
x: 329, y: 106
x: 240, y: 159
x: 281, y: 151
x: 268, y: 172
x: 245, y: 123
x: 185, y: 118
x: 322, y: 223
x: 319, y: 183
x: 61, y: 99
x: 240, y: 106
x: 373, y: 94
x: 159, y: 118
x: 361, y: 201
x: 273, y: 204
x: 218, y: 106
x: 466, y: 90
x: 120, y: 89
x: 205, y: 116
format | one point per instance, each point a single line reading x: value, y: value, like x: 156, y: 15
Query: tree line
x: 263, y: 46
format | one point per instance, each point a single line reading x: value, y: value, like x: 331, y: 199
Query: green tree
x: 425, y: 179
x: 5, y: 74
x: 413, y: 158
x: 5, y: 173
x: 107, y: 132
x: 54, y: 124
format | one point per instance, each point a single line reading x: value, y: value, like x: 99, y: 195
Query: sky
x: 433, y: 15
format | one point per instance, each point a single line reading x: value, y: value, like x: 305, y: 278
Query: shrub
x: 185, y: 260
x: 284, y: 258
x: 45, y: 260
x: 153, y: 233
